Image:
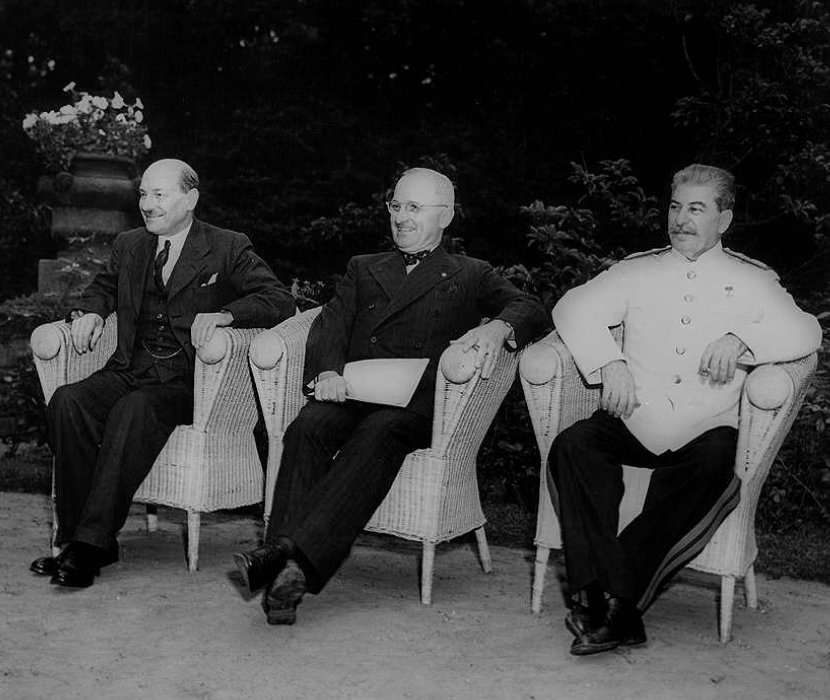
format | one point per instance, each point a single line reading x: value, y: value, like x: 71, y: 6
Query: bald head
x: 178, y: 170
x: 437, y: 187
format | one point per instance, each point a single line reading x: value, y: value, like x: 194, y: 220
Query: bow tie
x: 414, y: 258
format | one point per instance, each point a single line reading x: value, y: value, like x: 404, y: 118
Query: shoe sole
x: 581, y: 649
x: 287, y: 596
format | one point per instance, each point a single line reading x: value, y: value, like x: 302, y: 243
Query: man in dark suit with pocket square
x: 172, y: 283
x: 340, y: 458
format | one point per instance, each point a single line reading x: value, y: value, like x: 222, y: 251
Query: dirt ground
x: 149, y: 629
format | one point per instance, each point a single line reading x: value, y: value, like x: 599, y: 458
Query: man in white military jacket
x: 695, y: 317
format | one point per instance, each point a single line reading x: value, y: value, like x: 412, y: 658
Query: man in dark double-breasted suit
x: 341, y: 458
x: 172, y: 283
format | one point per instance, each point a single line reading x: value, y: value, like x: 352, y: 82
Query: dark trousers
x: 339, y: 462
x: 105, y: 432
x: 692, y: 490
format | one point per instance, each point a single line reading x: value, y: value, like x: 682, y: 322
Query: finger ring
x: 705, y: 370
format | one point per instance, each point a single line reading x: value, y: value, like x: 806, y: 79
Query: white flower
x: 69, y: 87
x: 139, y: 116
x: 97, y: 115
x: 147, y: 142
x: 121, y: 118
x: 84, y: 105
x: 29, y: 121
x: 69, y: 110
x: 138, y: 103
x: 117, y: 101
x: 100, y: 102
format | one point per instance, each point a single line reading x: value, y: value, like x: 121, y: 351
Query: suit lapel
x: 191, y: 261
x: 389, y: 272
x: 433, y: 270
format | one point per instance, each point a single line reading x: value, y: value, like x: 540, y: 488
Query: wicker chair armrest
x: 277, y: 358
x: 556, y: 394
x: 221, y: 382
x: 56, y: 360
x: 771, y: 398
x: 465, y: 404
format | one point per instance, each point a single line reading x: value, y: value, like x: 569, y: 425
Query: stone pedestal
x: 93, y: 202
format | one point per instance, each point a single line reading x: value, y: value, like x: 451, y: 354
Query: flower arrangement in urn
x: 89, y: 124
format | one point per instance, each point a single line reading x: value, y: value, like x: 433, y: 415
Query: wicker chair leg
x: 484, y: 550
x: 727, y: 598
x: 751, y: 588
x: 427, y: 565
x: 539, y: 570
x: 193, y: 521
x: 152, y: 518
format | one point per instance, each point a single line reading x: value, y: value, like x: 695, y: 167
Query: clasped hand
x: 86, y: 331
x: 201, y: 331
x: 720, y: 359
x: 486, y: 340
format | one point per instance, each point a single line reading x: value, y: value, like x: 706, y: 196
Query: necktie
x: 161, y: 261
x: 413, y: 258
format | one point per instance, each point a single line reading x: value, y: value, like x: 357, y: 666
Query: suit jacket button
x: 677, y: 379
x: 685, y: 320
x: 443, y: 274
x: 436, y: 312
x: 373, y: 339
x: 691, y: 274
x: 680, y: 350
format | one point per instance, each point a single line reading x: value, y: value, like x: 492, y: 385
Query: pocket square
x: 210, y: 281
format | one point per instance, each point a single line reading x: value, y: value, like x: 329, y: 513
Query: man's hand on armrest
x: 720, y: 358
x: 204, y: 324
x: 486, y: 340
x: 86, y: 331
x: 330, y: 386
x: 619, y: 396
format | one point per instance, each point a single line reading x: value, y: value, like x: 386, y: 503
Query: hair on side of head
x: 189, y: 179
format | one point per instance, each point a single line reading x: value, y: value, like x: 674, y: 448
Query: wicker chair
x: 435, y: 496
x: 208, y: 465
x: 557, y: 397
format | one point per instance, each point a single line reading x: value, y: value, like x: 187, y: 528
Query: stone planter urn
x: 92, y: 202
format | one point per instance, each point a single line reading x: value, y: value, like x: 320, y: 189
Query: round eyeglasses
x: 410, y: 208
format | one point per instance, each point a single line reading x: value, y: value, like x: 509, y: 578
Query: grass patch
x: 29, y: 470
x: 800, y: 551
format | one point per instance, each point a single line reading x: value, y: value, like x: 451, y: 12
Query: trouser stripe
x: 693, y: 542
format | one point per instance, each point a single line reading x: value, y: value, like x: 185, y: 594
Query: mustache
x: 680, y: 229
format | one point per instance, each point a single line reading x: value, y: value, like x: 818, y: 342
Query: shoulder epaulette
x: 644, y: 253
x: 747, y: 259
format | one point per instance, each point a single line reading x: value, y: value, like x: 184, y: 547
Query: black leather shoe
x: 260, y: 566
x: 583, y: 618
x: 623, y: 626
x: 45, y: 566
x: 284, y: 595
x: 80, y: 564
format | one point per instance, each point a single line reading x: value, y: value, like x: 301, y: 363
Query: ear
x: 725, y: 220
x: 192, y: 199
x: 447, y: 215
